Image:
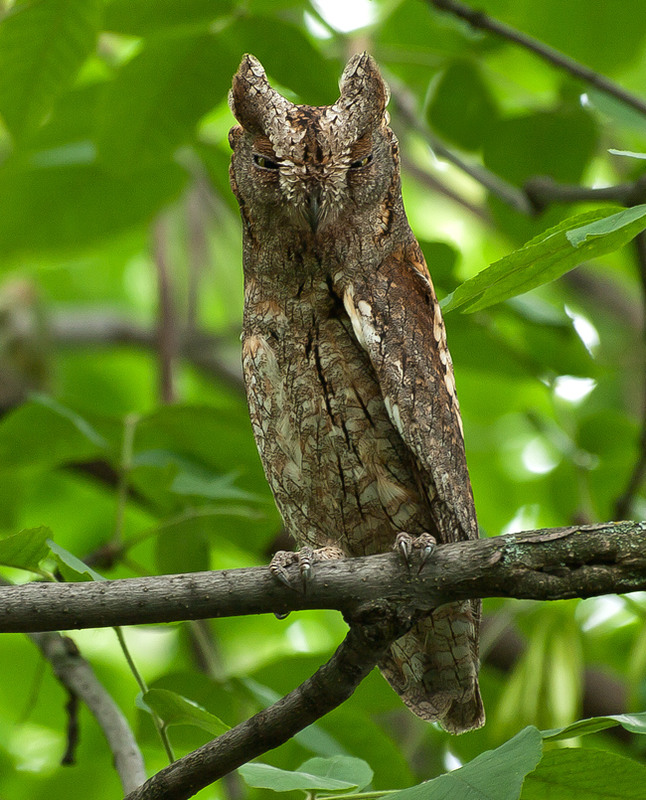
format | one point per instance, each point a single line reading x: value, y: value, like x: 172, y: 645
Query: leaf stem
x: 143, y: 686
x: 129, y: 426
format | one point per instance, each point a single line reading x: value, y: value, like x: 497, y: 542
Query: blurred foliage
x: 114, y: 157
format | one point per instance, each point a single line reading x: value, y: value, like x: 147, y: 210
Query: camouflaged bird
x: 348, y: 376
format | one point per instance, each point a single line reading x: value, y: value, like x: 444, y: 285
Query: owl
x: 348, y: 377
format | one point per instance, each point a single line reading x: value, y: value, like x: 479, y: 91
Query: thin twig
x: 196, y: 250
x: 505, y: 191
x: 636, y: 479
x: 77, y: 677
x: 143, y: 686
x: 431, y: 182
x: 479, y: 19
x: 166, y: 329
x: 123, y: 487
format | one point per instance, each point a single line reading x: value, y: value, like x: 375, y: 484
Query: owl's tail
x: 434, y: 668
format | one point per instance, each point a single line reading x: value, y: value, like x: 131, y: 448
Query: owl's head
x: 307, y: 166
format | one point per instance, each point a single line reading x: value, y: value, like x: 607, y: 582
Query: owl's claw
x: 306, y: 557
x: 403, y: 544
x: 280, y: 564
x: 410, y: 547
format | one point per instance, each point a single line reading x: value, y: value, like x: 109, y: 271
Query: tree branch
x: 431, y: 182
x: 549, y: 564
x: 542, y: 191
x: 91, y: 328
x: 331, y: 685
x: 479, y: 19
x: 77, y: 676
x: 505, y: 191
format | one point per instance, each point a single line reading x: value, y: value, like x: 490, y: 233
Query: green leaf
x: 263, y: 776
x: 313, y: 738
x: 190, y: 478
x: 296, y: 63
x: 583, y: 774
x: 182, y: 548
x: 25, y: 550
x: 200, y: 483
x: 70, y: 206
x: 44, y: 433
x: 79, y: 422
x: 494, y: 775
x: 635, y: 723
x: 42, y: 46
x: 462, y: 108
x: 548, y: 256
x: 604, y: 227
x: 157, y: 98
x: 71, y: 567
x: 556, y: 143
x: 340, y: 768
x: 174, y: 709
x: 143, y: 18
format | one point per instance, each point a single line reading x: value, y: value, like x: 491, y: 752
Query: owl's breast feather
x: 336, y: 464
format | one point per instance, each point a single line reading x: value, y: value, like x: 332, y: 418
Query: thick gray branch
x: 547, y: 564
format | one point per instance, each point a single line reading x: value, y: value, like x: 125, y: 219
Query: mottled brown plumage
x: 348, y: 376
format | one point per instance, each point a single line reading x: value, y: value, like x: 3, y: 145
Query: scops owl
x: 347, y: 372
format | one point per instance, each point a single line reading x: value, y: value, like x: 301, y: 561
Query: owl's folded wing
x: 397, y: 320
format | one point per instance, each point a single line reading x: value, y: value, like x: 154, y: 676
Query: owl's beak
x: 313, y: 210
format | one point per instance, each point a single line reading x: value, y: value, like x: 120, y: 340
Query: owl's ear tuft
x: 362, y: 88
x: 250, y: 94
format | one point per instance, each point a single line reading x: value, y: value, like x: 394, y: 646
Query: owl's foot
x: 415, y: 549
x: 306, y: 557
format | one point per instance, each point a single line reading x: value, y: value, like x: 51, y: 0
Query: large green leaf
x: 26, y: 549
x: 264, y: 776
x: 341, y: 768
x: 42, y: 46
x: 68, y: 206
x: 462, y: 108
x: 556, y: 143
x: 635, y: 723
x: 157, y: 98
x: 143, y: 17
x: 294, y: 62
x: 44, y: 434
x: 72, y: 568
x: 548, y: 256
x: 582, y: 774
x: 626, y: 221
x: 494, y: 775
x: 174, y: 709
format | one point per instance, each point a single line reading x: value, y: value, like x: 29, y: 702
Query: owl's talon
x: 306, y: 557
x: 279, y: 565
x: 409, y: 547
x: 427, y: 545
x: 404, y: 545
